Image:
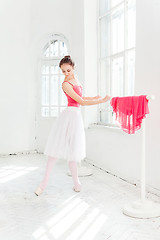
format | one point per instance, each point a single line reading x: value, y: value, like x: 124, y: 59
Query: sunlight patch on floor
x: 8, y: 173
x: 69, y: 216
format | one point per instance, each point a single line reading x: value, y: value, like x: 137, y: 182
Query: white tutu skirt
x: 67, y: 137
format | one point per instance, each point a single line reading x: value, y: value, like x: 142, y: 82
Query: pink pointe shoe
x: 77, y: 188
x: 38, y: 191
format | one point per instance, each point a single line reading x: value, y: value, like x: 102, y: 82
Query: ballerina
x: 67, y: 136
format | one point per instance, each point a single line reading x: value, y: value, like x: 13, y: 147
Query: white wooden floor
x: 61, y: 214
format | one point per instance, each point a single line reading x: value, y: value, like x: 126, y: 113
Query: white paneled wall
x: 17, y: 90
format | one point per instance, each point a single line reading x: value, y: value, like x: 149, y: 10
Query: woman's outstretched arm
x: 91, y: 98
x: 69, y: 90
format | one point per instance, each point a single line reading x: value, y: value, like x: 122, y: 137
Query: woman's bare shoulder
x: 66, y: 85
x: 74, y: 80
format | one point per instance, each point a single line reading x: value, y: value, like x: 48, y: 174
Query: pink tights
x: 73, y: 169
x: 74, y: 172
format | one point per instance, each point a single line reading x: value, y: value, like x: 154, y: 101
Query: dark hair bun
x: 67, y: 56
x: 67, y: 59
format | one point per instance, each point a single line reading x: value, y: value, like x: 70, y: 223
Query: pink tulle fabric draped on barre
x: 130, y: 111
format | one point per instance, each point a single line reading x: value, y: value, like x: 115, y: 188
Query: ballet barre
x: 150, y: 97
x: 143, y: 208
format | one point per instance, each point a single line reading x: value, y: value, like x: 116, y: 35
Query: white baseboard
x: 132, y: 181
x: 18, y: 153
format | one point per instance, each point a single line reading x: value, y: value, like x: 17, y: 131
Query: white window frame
x: 107, y: 109
x: 49, y: 61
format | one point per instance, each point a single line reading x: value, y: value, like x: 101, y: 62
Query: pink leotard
x: 71, y: 101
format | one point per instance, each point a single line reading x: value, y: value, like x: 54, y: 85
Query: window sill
x: 103, y: 126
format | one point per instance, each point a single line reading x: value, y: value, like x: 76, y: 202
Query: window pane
x: 131, y: 19
x: 54, y: 111
x: 104, y: 87
x: 130, y: 72
x: 104, y: 6
x: 105, y: 36
x: 104, y: 77
x: 45, y: 90
x: 117, y: 61
x: 115, y: 2
x: 45, y: 111
x: 54, y: 69
x: 54, y: 90
x: 46, y: 51
x: 54, y: 48
x: 63, y: 49
x: 53, y: 98
x: 45, y: 69
x: 106, y: 116
x: 103, y: 116
x: 117, y: 77
x: 118, y: 30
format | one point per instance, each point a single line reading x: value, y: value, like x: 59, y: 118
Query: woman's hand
x: 105, y: 99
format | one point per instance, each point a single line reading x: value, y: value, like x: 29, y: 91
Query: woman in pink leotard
x: 67, y: 137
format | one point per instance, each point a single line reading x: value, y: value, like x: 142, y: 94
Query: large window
x: 53, y: 100
x: 116, y: 41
